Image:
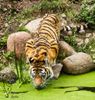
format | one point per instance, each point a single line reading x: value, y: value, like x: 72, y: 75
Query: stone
x: 57, y: 69
x: 16, y: 43
x: 8, y: 75
x: 66, y: 48
x: 33, y: 25
x: 78, y: 63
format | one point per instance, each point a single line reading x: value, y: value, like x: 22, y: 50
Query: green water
x: 64, y: 88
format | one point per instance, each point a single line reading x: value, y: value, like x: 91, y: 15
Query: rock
x: 78, y: 63
x: 16, y: 43
x: 57, y: 69
x: 33, y: 25
x: 7, y: 75
x: 67, y: 49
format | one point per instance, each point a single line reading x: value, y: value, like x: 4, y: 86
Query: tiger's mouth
x: 39, y: 82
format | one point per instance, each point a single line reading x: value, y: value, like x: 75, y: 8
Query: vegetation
x: 87, y: 13
x: 87, y: 48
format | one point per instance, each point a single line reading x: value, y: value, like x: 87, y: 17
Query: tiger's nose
x: 38, y: 82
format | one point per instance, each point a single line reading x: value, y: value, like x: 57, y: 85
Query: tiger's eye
x: 42, y: 73
x: 33, y: 73
x: 31, y: 60
x: 42, y: 70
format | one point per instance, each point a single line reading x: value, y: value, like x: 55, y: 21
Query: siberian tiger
x: 42, y: 50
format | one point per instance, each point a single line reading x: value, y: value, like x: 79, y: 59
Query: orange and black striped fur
x: 42, y: 50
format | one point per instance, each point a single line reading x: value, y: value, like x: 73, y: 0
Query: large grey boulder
x: 78, y: 63
x: 33, y: 25
x: 75, y: 63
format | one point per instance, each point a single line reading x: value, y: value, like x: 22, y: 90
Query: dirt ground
x: 9, y: 9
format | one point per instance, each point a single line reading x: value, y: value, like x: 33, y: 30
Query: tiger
x: 42, y: 51
x: 68, y: 27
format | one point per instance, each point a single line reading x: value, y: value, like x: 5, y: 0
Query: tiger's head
x: 40, y: 73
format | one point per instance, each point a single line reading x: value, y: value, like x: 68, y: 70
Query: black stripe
x: 41, y: 47
x: 49, y: 24
x: 42, y: 44
x: 48, y: 20
x: 46, y: 33
x: 54, y: 18
x: 49, y: 27
x: 54, y: 43
x: 51, y: 32
x: 28, y: 43
x: 42, y: 40
x: 29, y: 46
x: 56, y: 50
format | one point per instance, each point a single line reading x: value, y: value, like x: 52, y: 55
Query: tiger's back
x: 47, y: 40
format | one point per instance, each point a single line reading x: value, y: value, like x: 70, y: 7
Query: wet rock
x: 78, y: 63
x: 8, y: 75
x: 16, y: 42
x: 33, y: 25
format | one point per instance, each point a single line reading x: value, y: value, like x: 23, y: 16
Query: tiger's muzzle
x: 40, y: 76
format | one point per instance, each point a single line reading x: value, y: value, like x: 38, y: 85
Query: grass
x: 39, y: 9
x: 87, y: 48
x: 87, y: 13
